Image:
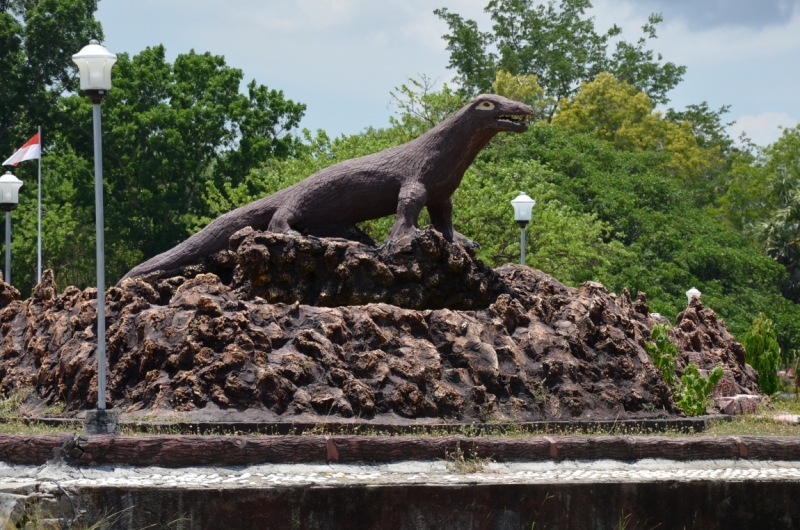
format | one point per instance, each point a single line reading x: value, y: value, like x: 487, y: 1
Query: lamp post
x: 691, y: 293
x: 94, y: 64
x: 9, y: 199
x: 522, y: 215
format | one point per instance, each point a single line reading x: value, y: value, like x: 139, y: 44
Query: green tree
x: 37, y: 40
x: 780, y: 230
x: 617, y: 112
x: 523, y: 88
x: 763, y: 353
x: 557, y: 43
x: 169, y: 129
x: 707, y: 125
x: 68, y: 222
x: 420, y: 107
x: 667, y: 244
x: 695, y: 389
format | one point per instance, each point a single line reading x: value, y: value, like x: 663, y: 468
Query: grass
x: 463, y: 463
x: 13, y: 412
x: 761, y: 423
x: 34, y: 518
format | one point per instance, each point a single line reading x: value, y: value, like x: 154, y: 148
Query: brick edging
x: 185, y: 451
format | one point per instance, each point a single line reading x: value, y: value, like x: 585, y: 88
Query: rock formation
x: 289, y: 328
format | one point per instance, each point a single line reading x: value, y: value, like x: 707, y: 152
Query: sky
x: 343, y: 57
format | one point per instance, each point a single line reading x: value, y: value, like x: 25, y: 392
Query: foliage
x: 11, y: 404
x: 557, y: 43
x: 743, y: 201
x: 37, y: 40
x: 663, y: 352
x: 780, y: 231
x: 696, y: 389
x: 464, y: 463
x: 523, y: 88
x: 707, y: 125
x: 764, y: 353
x: 618, y: 113
x: 692, y: 389
x: 421, y: 108
x: 169, y: 130
x: 660, y: 242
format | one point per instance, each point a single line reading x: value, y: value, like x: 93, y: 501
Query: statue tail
x: 210, y: 239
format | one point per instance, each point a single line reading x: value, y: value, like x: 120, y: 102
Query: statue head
x: 496, y: 113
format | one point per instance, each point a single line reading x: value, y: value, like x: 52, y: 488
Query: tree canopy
x: 37, y: 40
x: 559, y: 44
x: 169, y: 128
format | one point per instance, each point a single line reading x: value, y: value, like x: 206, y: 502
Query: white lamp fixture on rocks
x: 691, y: 293
x: 94, y: 63
x: 522, y: 215
x: 9, y: 199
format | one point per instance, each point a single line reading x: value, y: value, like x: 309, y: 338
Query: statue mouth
x: 518, y: 119
x: 514, y: 122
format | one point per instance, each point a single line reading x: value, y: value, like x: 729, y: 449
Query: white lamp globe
x: 522, y: 208
x: 691, y: 293
x: 94, y: 63
x: 9, y: 191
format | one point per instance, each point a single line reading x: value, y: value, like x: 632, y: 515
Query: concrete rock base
x: 738, y: 404
x: 421, y: 495
x: 707, y: 505
x: 101, y: 422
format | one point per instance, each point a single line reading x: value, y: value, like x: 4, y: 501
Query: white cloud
x: 342, y: 57
x: 710, y: 13
x: 763, y: 129
x: 694, y: 46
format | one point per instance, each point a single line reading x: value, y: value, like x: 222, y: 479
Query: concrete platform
x: 581, y: 495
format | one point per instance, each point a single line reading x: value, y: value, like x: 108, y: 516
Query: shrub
x: 663, y: 352
x: 693, y: 389
x: 764, y: 353
x: 696, y: 389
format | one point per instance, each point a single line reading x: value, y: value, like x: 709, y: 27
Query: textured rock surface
x: 421, y: 272
x: 529, y: 348
x: 740, y: 404
x: 704, y: 340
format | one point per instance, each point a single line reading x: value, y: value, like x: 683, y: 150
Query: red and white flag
x: 30, y: 151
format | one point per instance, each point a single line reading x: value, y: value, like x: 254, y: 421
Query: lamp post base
x: 101, y: 422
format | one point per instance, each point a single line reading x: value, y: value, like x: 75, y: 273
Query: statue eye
x: 485, y: 105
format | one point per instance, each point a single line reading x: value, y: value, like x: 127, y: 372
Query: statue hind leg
x: 283, y: 219
x: 409, y: 204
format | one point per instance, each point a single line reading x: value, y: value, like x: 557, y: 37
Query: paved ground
x: 26, y: 479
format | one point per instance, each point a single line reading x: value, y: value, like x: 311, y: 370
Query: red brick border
x: 184, y: 451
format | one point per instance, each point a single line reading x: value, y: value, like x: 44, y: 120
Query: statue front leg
x: 409, y: 205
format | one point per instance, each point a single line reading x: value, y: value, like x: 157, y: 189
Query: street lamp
x: 522, y: 215
x: 9, y: 199
x: 94, y: 63
x: 691, y: 293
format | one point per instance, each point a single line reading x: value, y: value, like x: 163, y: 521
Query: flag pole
x: 39, y: 249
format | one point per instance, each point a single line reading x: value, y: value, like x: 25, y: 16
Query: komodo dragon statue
x: 424, y: 172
